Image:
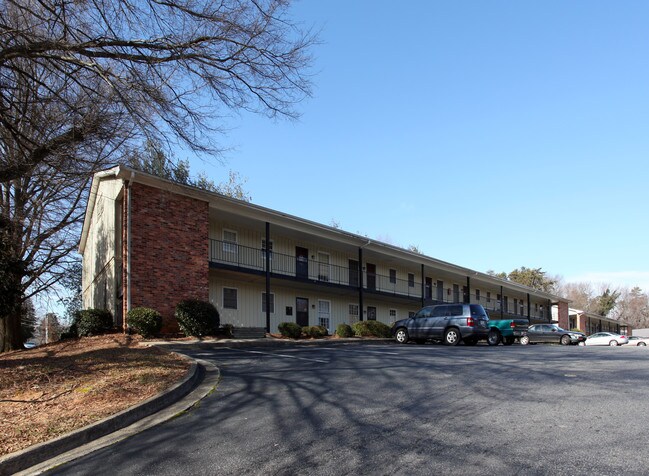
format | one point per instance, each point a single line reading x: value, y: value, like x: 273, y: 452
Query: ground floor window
x: 230, y: 298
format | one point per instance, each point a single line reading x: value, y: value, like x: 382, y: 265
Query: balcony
x: 246, y: 259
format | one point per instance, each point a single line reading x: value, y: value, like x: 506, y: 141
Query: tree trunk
x: 10, y: 333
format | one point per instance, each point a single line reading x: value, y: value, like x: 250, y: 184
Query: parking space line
x: 365, y: 351
x: 278, y: 355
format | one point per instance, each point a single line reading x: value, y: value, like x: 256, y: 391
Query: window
x: 229, y: 241
x: 477, y: 296
x: 323, y: 266
x: 411, y: 280
x: 324, y: 311
x: 263, y: 249
x: 488, y: 296
x: 229, y: 298
x: 271, y: 303
x: 393, y: 313
x: 353, y: 310
x: 393, y: 276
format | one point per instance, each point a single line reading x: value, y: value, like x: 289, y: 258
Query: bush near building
x: 145, y: 321
x: 290, y: 329
x: 344, y: 330
x: 371, y: 329
x: 197, y: 318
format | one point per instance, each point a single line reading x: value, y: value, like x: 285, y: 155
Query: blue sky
x: 492, y: 134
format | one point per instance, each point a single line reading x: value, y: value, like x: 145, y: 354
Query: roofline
x: 127, y: 173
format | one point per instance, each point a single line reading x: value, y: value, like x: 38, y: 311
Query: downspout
x: 128, y: 244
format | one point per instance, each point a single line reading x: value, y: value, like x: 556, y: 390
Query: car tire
x: 613, y: 343
x: 471, y: 341
x: 452, y: 336
x: 565, y: 340
x: 525, y: 340
x: 494, y: 337
x: 643, y: 344
x: 509, y: 340
x: 401, y: 336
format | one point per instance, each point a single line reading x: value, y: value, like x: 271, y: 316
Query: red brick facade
x: 169, y: 250
x: 564, y: 317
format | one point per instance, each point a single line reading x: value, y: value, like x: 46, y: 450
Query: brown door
x: 371, y: 313
x: 371, y: 276
x: 302, y: 311
x: 301, y: 262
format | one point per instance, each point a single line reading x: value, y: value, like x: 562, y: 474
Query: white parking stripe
x: 278, y: 355
x: 364, y: 351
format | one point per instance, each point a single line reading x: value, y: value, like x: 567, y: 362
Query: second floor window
x: 411, y: 280
x: 393, y: 276
x: 229, y: 241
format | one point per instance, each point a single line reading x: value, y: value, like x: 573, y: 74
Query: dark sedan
x: 553, y: 334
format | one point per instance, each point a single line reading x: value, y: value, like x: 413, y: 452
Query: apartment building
x: 150, y: 242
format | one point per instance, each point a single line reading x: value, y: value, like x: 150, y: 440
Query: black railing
x: 309, y: 269
x: 301, y: 267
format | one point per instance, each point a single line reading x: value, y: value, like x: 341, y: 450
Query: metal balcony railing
x: 299, y: 267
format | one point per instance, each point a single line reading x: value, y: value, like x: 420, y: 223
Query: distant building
x: 150, y: 242
x: 591, y: 323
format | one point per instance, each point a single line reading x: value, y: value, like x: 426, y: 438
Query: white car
x: 606, y: 338
x: 638, y: 341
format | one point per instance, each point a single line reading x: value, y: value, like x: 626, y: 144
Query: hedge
x: 145, y: 321
x: 197, y: 318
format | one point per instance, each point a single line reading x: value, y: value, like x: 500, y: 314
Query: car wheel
x: 525, y: 340
x: 493, y: 338
x: 401, y: 336
x: 565, y: 340
x: 472, y: 341
x: 452, y: 336
x: 509, y: 340
x: 643, y: 344
x: 613, y: 343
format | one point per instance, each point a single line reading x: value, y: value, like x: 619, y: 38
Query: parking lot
x: 357, y: 408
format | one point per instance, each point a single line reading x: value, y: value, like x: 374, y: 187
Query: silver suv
x: 449, y: 323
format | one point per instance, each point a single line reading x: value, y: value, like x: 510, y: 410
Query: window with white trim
x: 393, y: 276
x: 323, y: 266
x: 353, y: 310
x: 230, y: 299
x: 477, y: 296
x: 230, y: 241
x: 272, y: 303
x: 411, y: 280
x: 393, y: 313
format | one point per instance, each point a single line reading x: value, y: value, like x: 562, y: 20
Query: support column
x: 268, y: 264
x: 360, y: 284
x: 502, y: 303
x: 529, y: 307
x: 467, y: 298
x: 423, y: 285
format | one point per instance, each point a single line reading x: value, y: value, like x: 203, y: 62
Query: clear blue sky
x: 492, y: 134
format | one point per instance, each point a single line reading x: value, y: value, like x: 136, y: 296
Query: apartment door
x: 371, y: 276
x: 440, y: 291
x: 302, y: 311
x: 429, y: 288
x: 353, y: 273
x: 371, y: 313
x: 301, y: 262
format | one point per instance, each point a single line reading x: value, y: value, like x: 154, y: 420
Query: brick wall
x: 563, y: 318
x: 169, y: 250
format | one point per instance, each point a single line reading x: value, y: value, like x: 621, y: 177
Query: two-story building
x: 150, y: 242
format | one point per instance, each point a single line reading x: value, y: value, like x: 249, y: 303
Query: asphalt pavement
x: 353, y: 408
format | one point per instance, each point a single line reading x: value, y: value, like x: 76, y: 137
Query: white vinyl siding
x: 272, y: 303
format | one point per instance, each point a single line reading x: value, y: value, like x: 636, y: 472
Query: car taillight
x: 470, y: 322
x: 512, y: 324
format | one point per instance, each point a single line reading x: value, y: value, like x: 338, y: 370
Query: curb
x: 20, y: 460
x: 266, y: 342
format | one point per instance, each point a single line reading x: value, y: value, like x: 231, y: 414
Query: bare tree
x: 82, y: 82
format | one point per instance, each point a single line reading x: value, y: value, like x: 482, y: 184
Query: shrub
x: 315, y: 331
x: 145, y: 321
x: 227, y: 330
x: 197, y: 318
x: 290, y: 329
x: 371, y: 329
x: 344, y: 330
x: 92, y: 322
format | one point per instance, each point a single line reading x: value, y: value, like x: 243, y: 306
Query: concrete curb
x: 266, y: 342
x: 20, y: 460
